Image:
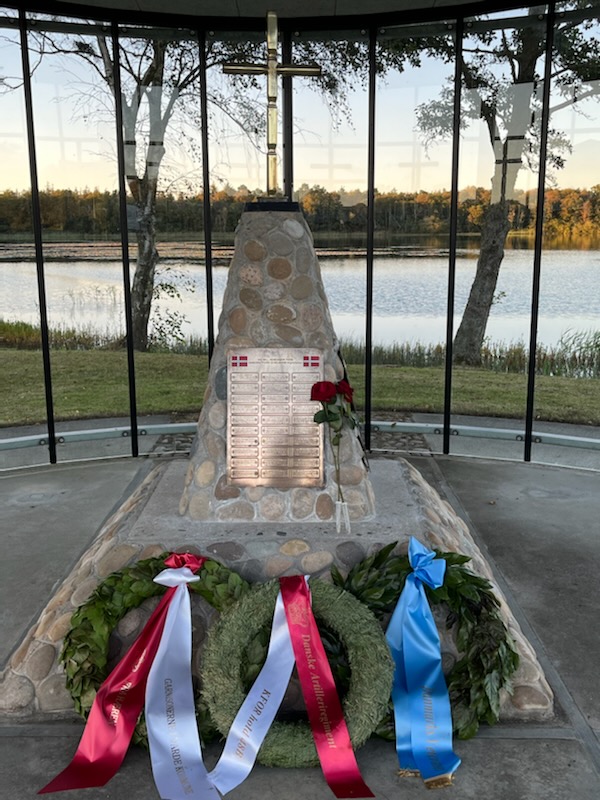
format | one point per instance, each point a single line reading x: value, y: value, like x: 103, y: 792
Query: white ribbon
x: 175, y: 752
x: 257, y: 712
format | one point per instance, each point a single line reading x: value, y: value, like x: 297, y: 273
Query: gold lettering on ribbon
x: 115, y: 711
x: 247, y: 729
x: 174, y: 738
x: 430, y: 730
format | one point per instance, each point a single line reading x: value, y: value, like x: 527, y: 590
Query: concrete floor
x: 539, y: 526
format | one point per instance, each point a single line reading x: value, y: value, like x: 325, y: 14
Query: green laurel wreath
x: 85, y: 647
x: 489, y: 657
x: 365, y: 701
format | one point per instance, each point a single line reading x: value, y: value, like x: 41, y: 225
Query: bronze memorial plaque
x: 272, y: 439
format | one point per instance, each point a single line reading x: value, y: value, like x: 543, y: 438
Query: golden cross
x: 271, y: 69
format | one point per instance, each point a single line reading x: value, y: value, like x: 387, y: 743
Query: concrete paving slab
x: 49, y: 517
x: 542, y: 531
x: 493, y: 768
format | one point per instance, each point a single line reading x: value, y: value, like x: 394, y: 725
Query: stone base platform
x: 149, y: 523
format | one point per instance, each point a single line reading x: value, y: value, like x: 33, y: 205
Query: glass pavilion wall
x: 444, y: 165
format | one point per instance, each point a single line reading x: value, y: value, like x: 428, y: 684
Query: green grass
x: 93, y: 383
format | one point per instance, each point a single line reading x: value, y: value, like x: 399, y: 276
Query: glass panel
x: 412, y: 222
x: 501, y: 114
x: 75, y: 149
x: 22, y: 398
x: 567, y: 384
x: 331, y: 178
x: 163, y: 171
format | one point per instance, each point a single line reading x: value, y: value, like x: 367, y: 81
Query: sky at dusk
x: 75, y: 143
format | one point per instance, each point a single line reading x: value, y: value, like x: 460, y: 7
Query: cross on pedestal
x: 271, y: 69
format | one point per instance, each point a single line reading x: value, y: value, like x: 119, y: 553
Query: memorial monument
x: 258, y: 454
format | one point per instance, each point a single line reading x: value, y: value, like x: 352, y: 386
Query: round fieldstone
x: 277, y: 565
x: 279, y: 268
x: 39, y: 662
x: 302, y: 503
x: 82, y: 591
x: 254, y: 251
x: 16, y: 693
x: 199, y: 506
x: 304, y: 259
x: 217, y: 415
x: 251, y: 299
x: 274, y: 291
x: 351, y: 474
x: 224, y: 490
x: 226, y: 551
x: 280, y: 243
x: 349, y: 553
x: 324, y: 506
x: 205, y: 473
x: 238, y: 319
x: 252, y: 275
x: 59, y: 627
x: 358, y: 506
x: 315, y: 562
x: 215, y: 445
x: 528, y: 698
x: 318, y: 340
x: 272, y: 507
x: 221, y: 383
x: 115, y: 559
x: 183, y: 503
x: 294, y: 547
x: 312, y: 317
x: 254, y: 493
x: 53, y: 695
x: 239, y: 510
x: 261, y: 332
x: 302, y: 287
x: 294, y: 228
x: 290, y: 335
x: 281, y: 314
x: 131, y: 622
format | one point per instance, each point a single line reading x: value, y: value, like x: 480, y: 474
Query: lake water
x: 409, y: 295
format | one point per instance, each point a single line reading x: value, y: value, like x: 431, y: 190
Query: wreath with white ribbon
x: 290, y: 744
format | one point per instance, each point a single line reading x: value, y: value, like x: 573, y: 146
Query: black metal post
x: 370, y: 236
x: 453, y: 235
x: 288, y: 119
x: 210, y: 314
x: 36, y: 214
x: 539, y: 230
x: 124, y: 238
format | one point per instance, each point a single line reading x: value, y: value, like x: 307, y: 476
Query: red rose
x: 344, y: 388
x: 323, y: 391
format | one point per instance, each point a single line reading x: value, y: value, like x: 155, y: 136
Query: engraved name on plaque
x: 272, y: 439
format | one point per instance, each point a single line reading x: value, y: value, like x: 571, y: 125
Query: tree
x: 160, y: 84
x: 503, y: 86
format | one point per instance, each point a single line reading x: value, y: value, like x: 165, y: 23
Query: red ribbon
x: 119, y: 702
x: 325, y: 714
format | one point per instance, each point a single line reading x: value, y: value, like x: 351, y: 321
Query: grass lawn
x: 93, y: 383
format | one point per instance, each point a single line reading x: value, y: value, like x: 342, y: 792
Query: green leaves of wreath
x: 488, y: 662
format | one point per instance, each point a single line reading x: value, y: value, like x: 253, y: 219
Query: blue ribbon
x: 422, y: 714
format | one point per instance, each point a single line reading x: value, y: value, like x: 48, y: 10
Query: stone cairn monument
x: 258, y: 455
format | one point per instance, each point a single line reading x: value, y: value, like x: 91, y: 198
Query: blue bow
x: 422, y: 714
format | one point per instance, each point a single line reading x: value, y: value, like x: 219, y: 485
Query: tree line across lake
x: 568, y: 213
